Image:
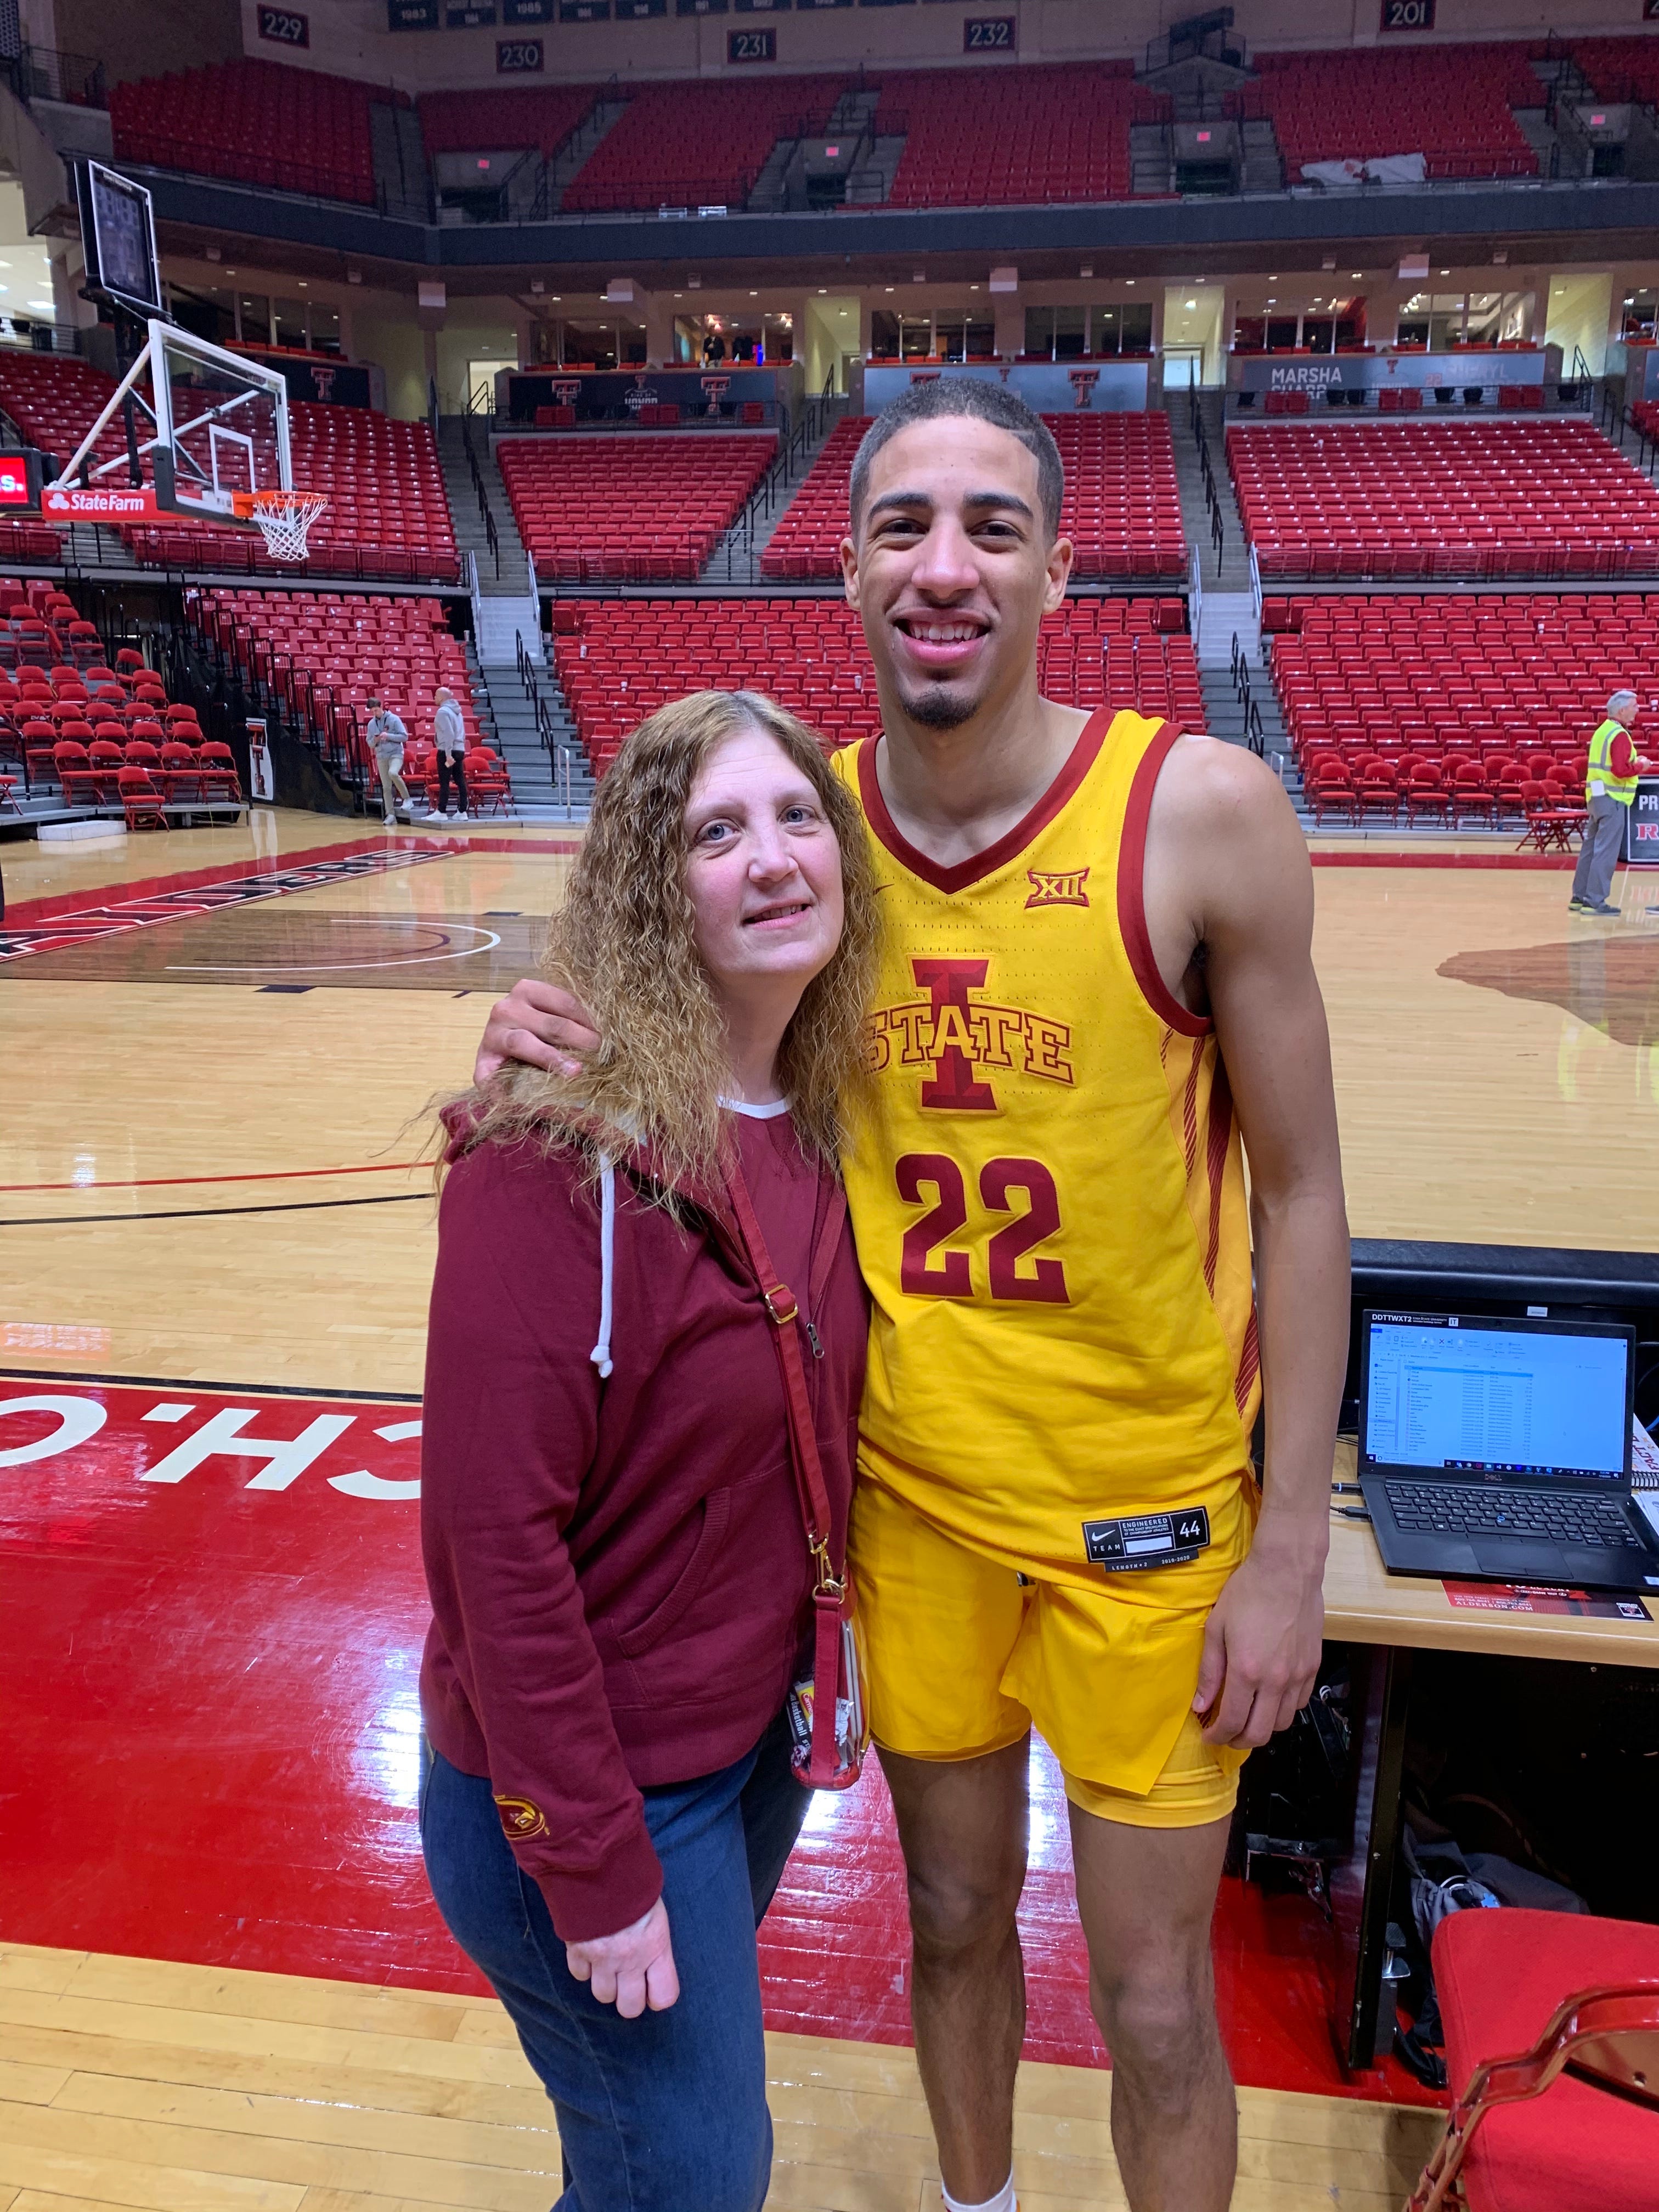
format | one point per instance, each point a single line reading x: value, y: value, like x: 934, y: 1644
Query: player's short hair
x: 1621, y: 699
x: 983, y: 402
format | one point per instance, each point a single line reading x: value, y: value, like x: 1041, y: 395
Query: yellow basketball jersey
x: 1050, y: 1205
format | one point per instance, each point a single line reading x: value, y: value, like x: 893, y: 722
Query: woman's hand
x: 540, y: 1024
x: 634, y: 1968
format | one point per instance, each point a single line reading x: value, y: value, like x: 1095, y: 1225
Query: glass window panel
x: 633, y: 342
x: 884, y: 335
x: 1040, y: 333
x: 952, y: 337
x: 916, y: 335
x: 1318, y: 333
x: 982, y: 341
x: 1249, y: 334
x: 1414, y: 331
x: 590, y: 345
x: 1445, y: 331
x: 325, y: 328
x: 1281, y: 332
x: 255, y: 311
x: 1070, y: 330
x: 1137, y: 320
x: 290, y: 322
x: 1105, y: 330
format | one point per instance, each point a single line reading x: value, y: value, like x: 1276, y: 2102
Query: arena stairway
x: 599, y: 118
x: 1232, y: 573
x: 399, y: 157
x: 471, y: 534
x: 736, y: 559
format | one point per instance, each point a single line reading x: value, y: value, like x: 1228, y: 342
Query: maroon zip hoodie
x: 618, y: 1569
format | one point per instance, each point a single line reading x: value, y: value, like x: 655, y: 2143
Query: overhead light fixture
x: 889, y: 288
x: 754, y: 295
x: 1192, y: 303
x: 1358, y: 275
x: 1445, y: 272
x: 823, y: 291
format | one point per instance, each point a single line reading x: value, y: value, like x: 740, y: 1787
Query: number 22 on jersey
x: 934, y: 1262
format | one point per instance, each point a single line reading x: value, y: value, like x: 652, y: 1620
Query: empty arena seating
x: 543, y: 116
x: 1122, y: 505
x: 1436, y: 708
x: 387, y: 516
x: 72, y: 726
x: 635, y: 504
x: 1122, y: 508
x: 1494, y: 499
x: 1620, y: 68
x: 806, y: 542
x: 1022, y: 135
x: 694, y: 145
x: 324, y: 652
x: 620, y: 662
x: 1452, y: 105
x: 256, y: 121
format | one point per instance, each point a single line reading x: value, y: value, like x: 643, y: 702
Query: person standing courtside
x: 449, y: 737
x: 1096, y: 978
x: 387, y: 737
x: 1610, y: 792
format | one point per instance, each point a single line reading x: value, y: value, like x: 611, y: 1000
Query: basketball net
x: 285, y: 519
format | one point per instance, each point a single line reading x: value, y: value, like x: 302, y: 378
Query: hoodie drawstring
x: 600, y: 1355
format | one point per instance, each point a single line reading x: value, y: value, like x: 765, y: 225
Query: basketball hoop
x: 285, y: 518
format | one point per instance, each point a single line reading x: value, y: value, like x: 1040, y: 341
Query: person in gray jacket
x: 449, y: 736
x: 386, y: 738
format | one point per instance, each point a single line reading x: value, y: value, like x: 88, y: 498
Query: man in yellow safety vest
x: 1609, y: 790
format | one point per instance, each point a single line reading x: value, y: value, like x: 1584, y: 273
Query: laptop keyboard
x: 1460, y: 1509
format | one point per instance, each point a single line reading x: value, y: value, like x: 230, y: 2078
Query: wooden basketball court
x: 231, y: 1990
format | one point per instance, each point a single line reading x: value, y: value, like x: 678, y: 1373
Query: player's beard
x: 937, y: 708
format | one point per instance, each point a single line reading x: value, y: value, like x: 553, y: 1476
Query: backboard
x: 220, y: 420
x: 208, y: 429
x: 118, y: 239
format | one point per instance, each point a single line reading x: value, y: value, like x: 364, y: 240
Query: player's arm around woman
x: 614, y: 1539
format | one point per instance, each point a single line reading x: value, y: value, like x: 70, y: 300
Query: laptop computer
x: 1500, y: 1450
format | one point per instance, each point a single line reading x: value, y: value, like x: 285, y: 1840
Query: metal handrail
x: 557, y: 751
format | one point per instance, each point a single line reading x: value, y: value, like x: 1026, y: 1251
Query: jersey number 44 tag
x: 1151, y: 1540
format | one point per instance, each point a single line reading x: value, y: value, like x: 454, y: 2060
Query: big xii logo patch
x: 954, y: 1038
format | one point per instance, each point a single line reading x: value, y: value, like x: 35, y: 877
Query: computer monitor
x: 1489, y: 1398
x: 118, y: 239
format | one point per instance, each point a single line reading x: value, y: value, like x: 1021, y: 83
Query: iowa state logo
x: 958, y: 1038
x: 1057, y: 886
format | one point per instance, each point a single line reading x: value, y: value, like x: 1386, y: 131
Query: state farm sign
x: 71, y: 504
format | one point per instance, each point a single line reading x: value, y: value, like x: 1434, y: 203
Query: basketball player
x: 1096, y: 978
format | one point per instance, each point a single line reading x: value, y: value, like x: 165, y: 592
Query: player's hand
x: 632, y: 1969
x: 1262, y: 1648
x: 538, y: 1024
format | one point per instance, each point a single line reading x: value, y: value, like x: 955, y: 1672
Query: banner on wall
x: 1051, y: 387
x: 718, y: 392
x: 1363, y: 372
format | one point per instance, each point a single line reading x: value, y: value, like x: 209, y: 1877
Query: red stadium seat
x: 629, y: 508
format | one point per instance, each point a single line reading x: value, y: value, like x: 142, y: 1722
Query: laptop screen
x: 1473, y: 1395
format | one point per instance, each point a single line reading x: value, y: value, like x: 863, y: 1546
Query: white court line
x: 491, y: 938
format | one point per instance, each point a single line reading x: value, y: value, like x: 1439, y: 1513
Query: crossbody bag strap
x: 784, y: 1309
x: 823, y: 1769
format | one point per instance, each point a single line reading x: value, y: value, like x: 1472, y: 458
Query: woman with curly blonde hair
x: 614, y: 1515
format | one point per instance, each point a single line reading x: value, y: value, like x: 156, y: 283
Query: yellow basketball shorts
x: 963, y: 1656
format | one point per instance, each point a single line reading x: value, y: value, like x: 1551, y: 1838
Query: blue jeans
x: 667, y: 2112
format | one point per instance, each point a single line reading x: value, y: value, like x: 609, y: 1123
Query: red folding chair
x: 1586, y: 1992
x: 141, y: 800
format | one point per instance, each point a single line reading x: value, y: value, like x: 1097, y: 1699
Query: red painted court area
x: 218, y: 1603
